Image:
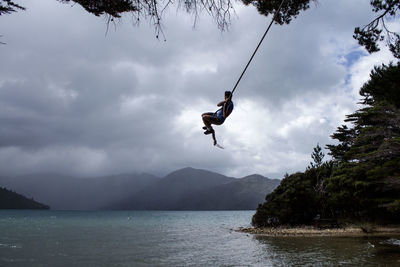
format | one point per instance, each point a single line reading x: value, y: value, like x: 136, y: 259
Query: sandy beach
x: 348, y: 231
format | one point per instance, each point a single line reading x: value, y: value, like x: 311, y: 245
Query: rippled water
x: 182, y: 238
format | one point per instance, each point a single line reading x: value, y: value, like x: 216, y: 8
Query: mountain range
x: 184, y: 189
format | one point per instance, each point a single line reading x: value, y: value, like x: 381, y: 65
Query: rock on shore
x: 313, y: 231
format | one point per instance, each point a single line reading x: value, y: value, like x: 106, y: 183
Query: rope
x: 255, y: 51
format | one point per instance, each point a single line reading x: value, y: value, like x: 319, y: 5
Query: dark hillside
x: 12, y: 200
x: 193, y: 189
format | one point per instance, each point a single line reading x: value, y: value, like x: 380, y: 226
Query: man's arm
x: 221, y: 103
x: 224, y: 109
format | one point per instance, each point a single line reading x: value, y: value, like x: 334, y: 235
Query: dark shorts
x: 213, y: 119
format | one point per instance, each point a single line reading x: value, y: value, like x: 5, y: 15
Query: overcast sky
x: 76, y: 101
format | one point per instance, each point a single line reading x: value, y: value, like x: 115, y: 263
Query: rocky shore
x: 348, y: 231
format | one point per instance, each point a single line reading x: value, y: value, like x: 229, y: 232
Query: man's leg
x: 209, y: 130
x: 207, y: 119
x: 213, y: 136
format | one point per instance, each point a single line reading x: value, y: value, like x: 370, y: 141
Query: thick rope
x: 255, y: 51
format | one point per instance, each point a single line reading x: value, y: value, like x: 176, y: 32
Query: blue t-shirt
x: 220, y: 112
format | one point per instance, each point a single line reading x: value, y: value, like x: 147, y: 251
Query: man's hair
x: 228, y: 93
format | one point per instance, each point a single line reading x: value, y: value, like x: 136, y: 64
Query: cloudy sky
x: 77, y: 101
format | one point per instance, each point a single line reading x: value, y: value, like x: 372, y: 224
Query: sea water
x: 172, y: 238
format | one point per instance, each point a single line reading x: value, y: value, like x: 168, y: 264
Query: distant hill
x: 241, y: 194
x: 72, y: 193
x: 193, y: 189
x: 12, y: 200
x: 184, y: 189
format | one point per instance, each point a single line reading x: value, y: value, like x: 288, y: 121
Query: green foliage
x: 383, y: 86
x: 290, y: 8
x: 368, y: 154
x: 296, y: 200
x: 317, y: 157
x: 346, y: 138
x: 376, y: 128
x: 292, y: 202
x: 362, y: 183
x: 368, y: 36
x: 113, y: 8
x: 376, y: 31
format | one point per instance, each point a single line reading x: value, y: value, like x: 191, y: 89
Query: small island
x: 12, y: 200
x: 358, y: 191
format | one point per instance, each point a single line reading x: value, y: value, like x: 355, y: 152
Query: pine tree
x: 317, y: 157
x: 377, y: 30
x: 346, y: 137
x: 368, y: 154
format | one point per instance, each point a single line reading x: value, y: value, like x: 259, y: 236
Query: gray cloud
x: 77, y: 101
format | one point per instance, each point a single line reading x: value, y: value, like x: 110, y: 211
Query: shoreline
x: 311, y: 231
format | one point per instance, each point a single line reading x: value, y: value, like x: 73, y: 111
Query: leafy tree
x: 317, y: 157
x: 292, y: 202
x: 298, y: 198
x: 346, y: 137
x: 363, y: 180
x: 318, y: 169
x: 371, y: 34
x: 8, y: 6
x: 368, y: 36
x: 113, y: 9
x: 376, y: 127
x: 153, y: 10
x: 383, y: 86
x: 290, y: 8
x: 368, y: 154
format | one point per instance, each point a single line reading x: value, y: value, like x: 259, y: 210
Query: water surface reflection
x: 330, y: 251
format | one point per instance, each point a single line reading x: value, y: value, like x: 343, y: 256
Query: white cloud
x: 362, y: 68
x: 71, y: 96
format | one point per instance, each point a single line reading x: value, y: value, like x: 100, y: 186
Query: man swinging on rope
x: 219, y: 116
